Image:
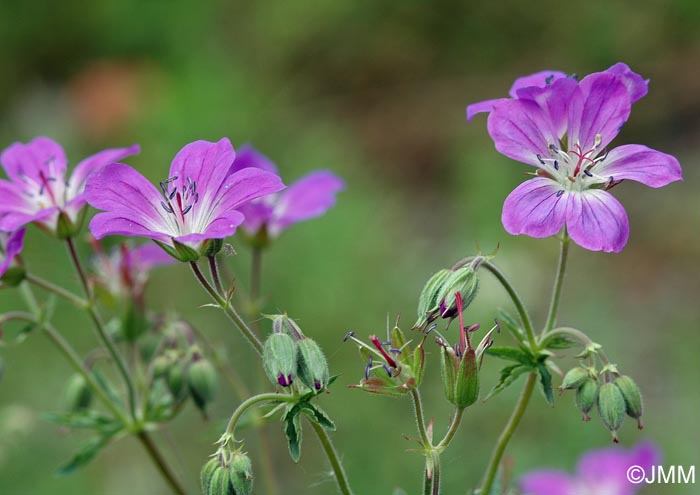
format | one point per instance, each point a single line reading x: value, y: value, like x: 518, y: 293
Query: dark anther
x: 386, y: 368
x: 166, y: 207
x: 588, y: 173
x: 559, y: 193
x: 549, y: 79
x: 184, y: 212
x: 351, y: 333
x: 556, y: 165
x: 368, y: 368
x: 172, y: 194
x: 540, y: 159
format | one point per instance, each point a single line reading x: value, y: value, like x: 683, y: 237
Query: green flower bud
x: 448, y: 369
x: 284, y: 324
x: 611, y: 406
x: 176, y: 381
x: 160, y: 366
x: 428, y: 301
x: 280, y: 359
x: 212, y: 247
x: 201, y: 380
x: 207, y: 473
x: 633, y: 398
x: 78, y: 394
x: 586, y: 396
x: 312, y: 366
x: 574, y: 378
x: 220, y: 482
x: 241, y: 471
x: 467, y: 385
x: 465, y: 281
x: 148, y: 345
x: 65, y: 227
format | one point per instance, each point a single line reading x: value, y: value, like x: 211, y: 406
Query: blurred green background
x: 374, y: 90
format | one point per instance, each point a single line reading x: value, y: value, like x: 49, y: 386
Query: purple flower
x: 599, y: 472
x: 10, y: 246
x: 198, y: 203
x: 563, y: 127
x: 309, y: 197
x: 39, y: 191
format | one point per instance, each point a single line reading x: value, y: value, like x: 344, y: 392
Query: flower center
x: 46, y: 189
x: 178, y: 202
x: 575, y: 169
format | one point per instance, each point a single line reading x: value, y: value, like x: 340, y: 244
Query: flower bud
x: 465, y: 281
x: 160, y: 366
x: 220, y: 482
x: 586, y: 396
x: 280, y: 359
x: 428, y: 301
x: 78, y: 394
x: 284, y: 324
x: 574, y: 378
x: 312, y: 366
x: 467, y: 384
x: 611, y: 406
x: 633, y: 398
x: 207, y: 473
x: 241, y: 471
x: 201, y: 380
x: 176, y: 381
x: 65, y: 227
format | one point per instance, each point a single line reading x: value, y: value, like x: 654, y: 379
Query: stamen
x: 549, y: 79
x: 588, y: 173
x: 167, y: 208
x: 556, y: 165
x: 388, y: 371
x: 188, y: 208
x: 368, y: 368
x: 348, y: 335
x: 540, y: 159
x: 559, y: 193
x: 380, y: 348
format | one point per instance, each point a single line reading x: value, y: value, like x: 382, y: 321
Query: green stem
x: 427, y: 482
x: 578, y: 335
x: 250, y: 402
x: 435, y: 456
x: 160, y: 462
x: 255, y: 286
x: 228, y: 309
x: 57, y: 290
x: 454, y: 426
x: 214, y: 270
x: 420, y: 418
x: 338, y: 470
x: 558, y: 283
x: 101, y: 331
x: 507, y: 433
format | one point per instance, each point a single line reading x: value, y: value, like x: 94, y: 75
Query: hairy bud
x: 241, y: 470
x: 176, y: 381
x: 467, y: 385
x: 611, y: 406
x: 633, y: 398
x: 312, y: 366
x: 465, y: 281
x: 280, y: 359
x: 586, y: 396
x: 574, y: 378
x: 428, y: 301
x: 201, y: 380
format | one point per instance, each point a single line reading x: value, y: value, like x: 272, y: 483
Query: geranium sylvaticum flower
x: 10, y: 246
x: 196, y: 206
x: 308, y: 197
x: 599, y: 472
x: 39, y: 190
x: 563, y: 127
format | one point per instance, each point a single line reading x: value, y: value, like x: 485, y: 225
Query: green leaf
x: 546, y: 382
x: 508, y: 376
x: 318, y: 415
x: 292, y: 429
x: 86, y: 453
x: 83, y: 419
x: 517, y: 354
x: 505, y: 320
x: 106, y: 386
x: 558, y: 342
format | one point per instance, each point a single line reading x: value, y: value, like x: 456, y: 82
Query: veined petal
x: 521, y: 131
x: 257, y: 214
x: 125, y: 193
x: 597, y: 111
x: 249, y: 157
x: 206, y: 164
x: 597, y: 221
x: 547, y: 482
x: 485, y: 106
x: 219, y: 228
x: 243, y: 186
x: 11, y: 198
x: 536, y: 208
x: 554, y: 100
x: 11, y: 248
x: 309, y: 197
x: 538, y: 79
x: 636, y: 85
x: 116, y: 223
x: 94, y: 162
x: 636, y: 162
x: 40, y: 155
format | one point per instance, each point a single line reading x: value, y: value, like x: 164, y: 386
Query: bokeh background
x: 374, y: 90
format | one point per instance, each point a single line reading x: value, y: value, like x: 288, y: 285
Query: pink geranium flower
x: 563, y: 128
x: 10, y: 246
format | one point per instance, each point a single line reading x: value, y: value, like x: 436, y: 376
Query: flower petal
x: 81, y: 172
x: 520, y: 130
x: 309, y: 197
x: 485, y: 106
x: 116, y: 223
x: 257, y: 214
x: 243, y: 186
x: 249, y: 157
x: 149, y: 255
x: 536, y: 207
x: 606, y: 469
x: 12, y: 247
x: 538, y: 79
x: 205, y: 163
x: 126, y: 194
x: 597, y: 111
x: 221, y: 227
x: 636, y: 85
x: 11, y: 198
x: 547, y: 482
x: 636, y: 162
x: 554, y: 100
x: 597, y: 221
x: 39, y: 155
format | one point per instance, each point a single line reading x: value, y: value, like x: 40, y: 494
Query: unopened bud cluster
x: 227, y: 474
x: 290, y: 357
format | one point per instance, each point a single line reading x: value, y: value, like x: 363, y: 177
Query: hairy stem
x: 214, y: 270
x: 420, y: 417
x: 558, y: 283
x: 160, y: 462
x: 101, y: 331
x: 454, y: 426
x: 57, y: 290
x: 435, y: 456
x: 507, y: 433
x: 250, y: 402
x: 228, y: 309
x: 337, y: 466
x: 255, y: 285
